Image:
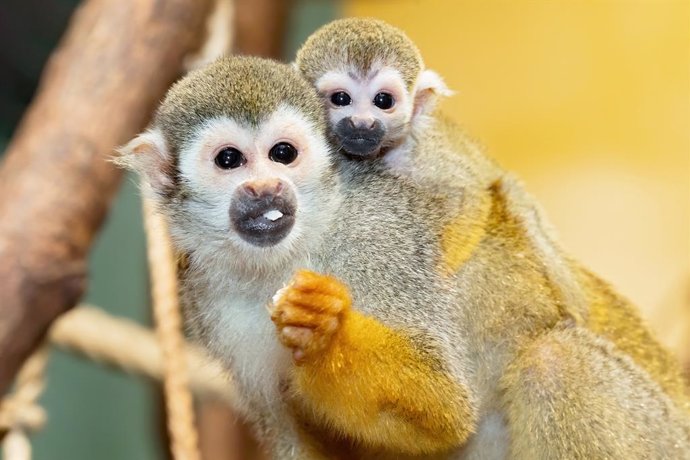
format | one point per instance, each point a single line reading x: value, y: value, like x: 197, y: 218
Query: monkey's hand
x: 308, y: 313
x: 363, y: 378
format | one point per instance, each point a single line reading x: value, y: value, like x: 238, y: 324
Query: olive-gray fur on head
x: 246, y: 89
x: 359, y: 42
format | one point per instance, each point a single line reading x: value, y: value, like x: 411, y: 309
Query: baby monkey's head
x: 373, y: 80
x: 238, y: 159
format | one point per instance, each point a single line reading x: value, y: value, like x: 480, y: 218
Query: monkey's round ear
x: 148, y: 155
x: 428, y: 89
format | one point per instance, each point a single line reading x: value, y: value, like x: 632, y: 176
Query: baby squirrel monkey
x: 373, y: 79
x: 381, y: 100
x: 436, y: 331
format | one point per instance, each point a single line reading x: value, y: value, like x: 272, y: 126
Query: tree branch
x: 98, y: 90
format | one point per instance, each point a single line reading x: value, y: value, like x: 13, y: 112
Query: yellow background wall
x: 589, y: 102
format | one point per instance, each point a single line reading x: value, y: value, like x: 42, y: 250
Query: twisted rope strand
x: 162, y: 266
x: 20, y: 412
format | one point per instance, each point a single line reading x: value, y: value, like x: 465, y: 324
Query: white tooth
x: 273, y: 215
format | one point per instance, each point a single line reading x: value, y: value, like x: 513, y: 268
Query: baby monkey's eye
x: 384, y: 101
x: 283, y: 152
x: 230, y: 158
x: 341, y: 98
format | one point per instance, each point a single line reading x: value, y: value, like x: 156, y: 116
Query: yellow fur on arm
x: 372, y: 384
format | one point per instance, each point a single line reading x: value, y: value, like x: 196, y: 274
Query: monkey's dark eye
x: 230, y: 158
x: 283, y: 152
x: 341, y: 98
x: 384, y: 101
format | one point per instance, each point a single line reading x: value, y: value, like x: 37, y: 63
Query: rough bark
x: 56, y: 184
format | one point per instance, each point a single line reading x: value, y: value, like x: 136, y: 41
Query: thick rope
x: 178, y: 398
x: 162, y: 266
x: 132, y: 348
x: 20, y: 412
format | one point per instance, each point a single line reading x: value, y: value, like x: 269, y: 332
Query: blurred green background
x: 95, y: 412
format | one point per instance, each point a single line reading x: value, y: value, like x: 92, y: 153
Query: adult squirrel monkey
x: 335, y: 293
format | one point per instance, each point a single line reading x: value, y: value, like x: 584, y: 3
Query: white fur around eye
x: 388, y: 80
x: 362, y: 89
x: 287, y: 124
x: 196, y: 161
x: 335, y: 80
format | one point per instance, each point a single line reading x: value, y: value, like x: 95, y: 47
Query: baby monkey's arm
x: 363, y: 378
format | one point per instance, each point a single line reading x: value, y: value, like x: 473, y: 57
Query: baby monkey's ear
x: 428, y: 89
x: 148, y: 155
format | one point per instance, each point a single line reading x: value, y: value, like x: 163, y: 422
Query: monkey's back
x: 513, y: 280
x: 386, y: 248
x: 615, y: 318
x: 594, y: 304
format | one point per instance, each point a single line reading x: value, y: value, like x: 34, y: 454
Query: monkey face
x: 256, y: 191
x: 369, y: 112
x: 254, y: 183
x: 238, y: 160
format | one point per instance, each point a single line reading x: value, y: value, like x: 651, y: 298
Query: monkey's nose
x: 262, y: 188
x: 362, y: 122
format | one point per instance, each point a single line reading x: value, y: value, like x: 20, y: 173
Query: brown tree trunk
x: 98, y: 90
x: 260, y: 27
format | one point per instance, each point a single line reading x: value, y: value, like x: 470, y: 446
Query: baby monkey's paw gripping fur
x: 308, y: 313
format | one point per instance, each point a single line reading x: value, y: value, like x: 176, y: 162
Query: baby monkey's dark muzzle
x: 263, y: 213
x: 360, y: 141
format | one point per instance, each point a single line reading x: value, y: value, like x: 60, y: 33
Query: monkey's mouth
x: 263, y: 221
x: 361, y: 147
